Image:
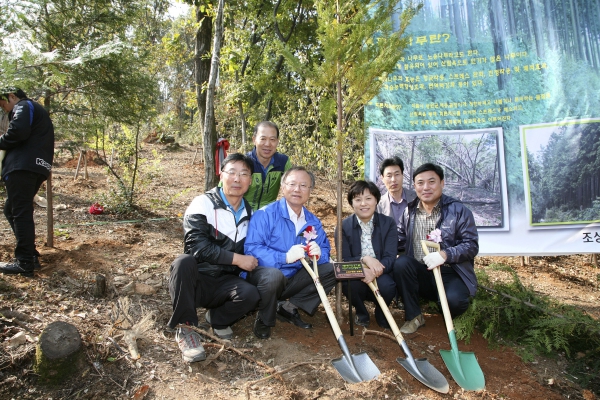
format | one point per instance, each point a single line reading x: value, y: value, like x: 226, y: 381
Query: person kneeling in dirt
x: 211, y: 272
x: 439, y: 218
x: 277, y: 237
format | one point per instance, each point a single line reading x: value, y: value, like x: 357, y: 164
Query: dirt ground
x: 134, y: 254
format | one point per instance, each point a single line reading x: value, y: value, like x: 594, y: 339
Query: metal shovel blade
x: 463, y: 366
x: 420, y: 368
x: 354, y: 368
x: 425, y: 373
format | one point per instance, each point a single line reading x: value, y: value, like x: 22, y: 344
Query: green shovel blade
x: 463, y: 366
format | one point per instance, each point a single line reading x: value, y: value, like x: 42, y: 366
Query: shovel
x: 463, y: 365
x: 420, y: 368
x: 353, y: 368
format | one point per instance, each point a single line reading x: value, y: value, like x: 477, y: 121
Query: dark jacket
x: 29, y: 140
x: 211, y: 234
x: 460, y: 240
x: 383, y: 239
x: 265, y: 187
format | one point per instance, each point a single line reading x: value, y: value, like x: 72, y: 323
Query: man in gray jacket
x: 439, y: 216
x: 393, y: 203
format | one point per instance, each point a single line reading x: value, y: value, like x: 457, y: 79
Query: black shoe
x: 292, y: 318
x: 261, y: 330
x: 17, y: 267
x: 36, y: 263
x: 361, y: 321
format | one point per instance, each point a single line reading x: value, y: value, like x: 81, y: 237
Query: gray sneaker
x: 412, y: 325
x: 226, y: 333
x: 188, y: 341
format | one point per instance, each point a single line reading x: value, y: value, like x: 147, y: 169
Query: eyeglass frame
x: 242, y: 174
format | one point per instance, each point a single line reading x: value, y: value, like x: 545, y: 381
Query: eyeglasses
x: 302, y: 186
x: 242, y: 174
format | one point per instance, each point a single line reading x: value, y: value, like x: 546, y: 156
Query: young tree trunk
x: 201, y: 60
x: 210, y: 132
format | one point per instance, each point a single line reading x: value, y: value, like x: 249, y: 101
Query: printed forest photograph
x: 563, y: 172
x: 473, y: 161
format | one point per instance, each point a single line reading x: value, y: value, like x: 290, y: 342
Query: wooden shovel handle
x: 315, y: 275
x: 440, y: 286
x: 386, y: 312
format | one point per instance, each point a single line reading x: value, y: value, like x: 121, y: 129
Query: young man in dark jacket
x: 459, y: 244
x: 29, y: 146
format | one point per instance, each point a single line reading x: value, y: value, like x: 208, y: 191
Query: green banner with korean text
x: 505, y: 96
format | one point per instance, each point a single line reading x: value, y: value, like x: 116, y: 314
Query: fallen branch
x: 228, y: 346
x: 377, y: 333
x: 276, y: 374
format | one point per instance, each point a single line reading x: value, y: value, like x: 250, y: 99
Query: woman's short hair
x: 359, y: 188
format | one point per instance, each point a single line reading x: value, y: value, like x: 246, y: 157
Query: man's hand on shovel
x: 435, y: 259
x: 313, y: 250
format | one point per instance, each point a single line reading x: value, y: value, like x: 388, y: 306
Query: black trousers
x: 229, y: 297
x: 413, y: 279
x: 299, y: 289
x: 361, y: 293
x: 21, y: 187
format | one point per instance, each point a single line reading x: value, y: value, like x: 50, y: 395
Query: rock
x: 17, y: 340
x: 142, y: 288
x: 58, y: 353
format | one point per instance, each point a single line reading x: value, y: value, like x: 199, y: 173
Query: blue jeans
x: 21, y: 187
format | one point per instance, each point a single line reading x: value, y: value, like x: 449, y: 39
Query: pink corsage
x: 435, y: 236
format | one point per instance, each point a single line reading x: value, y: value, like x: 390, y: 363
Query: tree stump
x: 100, y: 288
x: 58, y: 352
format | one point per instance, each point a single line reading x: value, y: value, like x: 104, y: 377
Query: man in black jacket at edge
x: 212, y: 272
x: 29, y: 146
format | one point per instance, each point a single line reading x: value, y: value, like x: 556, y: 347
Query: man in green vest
x: 269, y: 165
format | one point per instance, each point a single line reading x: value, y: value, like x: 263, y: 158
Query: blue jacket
x: 271, y: 234
x: 460, y: 240
x: 383, y: 239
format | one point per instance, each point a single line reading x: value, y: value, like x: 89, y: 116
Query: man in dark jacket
x: 29, y: 146
x: 211, y: 272
x: 429, y: 212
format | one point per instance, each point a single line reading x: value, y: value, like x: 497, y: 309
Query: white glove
x: 314, y: 250
x: 295, y: 253
x: 433, y: 260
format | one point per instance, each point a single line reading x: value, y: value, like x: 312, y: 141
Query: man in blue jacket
x: 277, y: 237
x: 459, y: 243
x: 29, y: 146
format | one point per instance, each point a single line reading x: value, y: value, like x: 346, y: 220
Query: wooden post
x: 85, y: 171
x: 78, y: 164
x: 200, y: 150
x: 595, y: 260
x: 49, y: 213
x: 522, y: 259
